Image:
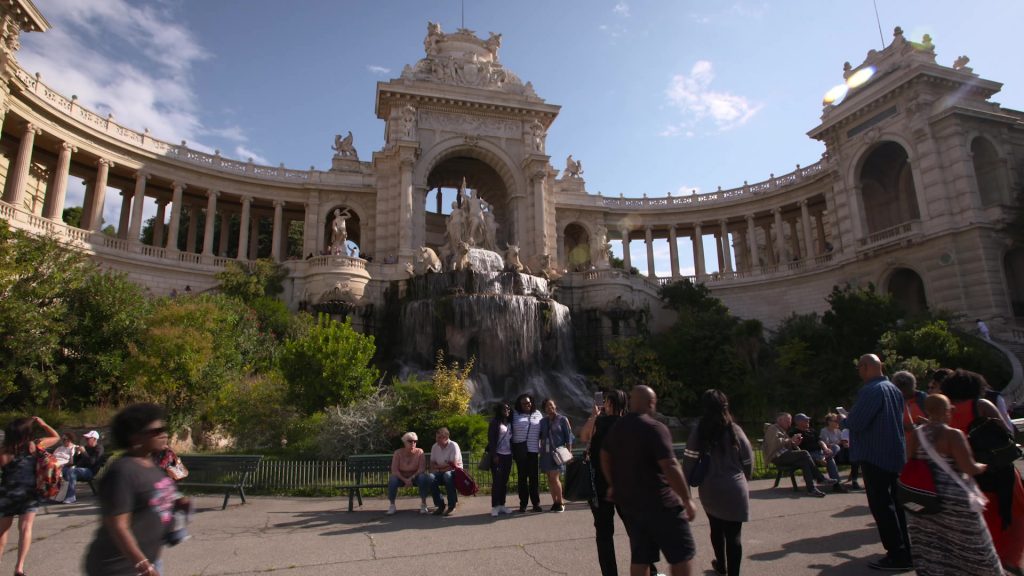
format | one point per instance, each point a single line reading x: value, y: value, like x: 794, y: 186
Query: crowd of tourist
x: 977, y: 527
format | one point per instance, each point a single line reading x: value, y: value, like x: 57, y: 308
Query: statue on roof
x: 573, y: 168
x: 961, y: 63
x: 343, y: 147
x: 492, y: 44
x: 434, y: 35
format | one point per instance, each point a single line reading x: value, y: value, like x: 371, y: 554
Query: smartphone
x: 599, y: 398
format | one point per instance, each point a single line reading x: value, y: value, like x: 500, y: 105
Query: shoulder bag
x: 991, y: 442
x: 560, y: 454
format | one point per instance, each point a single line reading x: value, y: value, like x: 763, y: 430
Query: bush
x: 253, y: 410
x: 469, y: 431
x: 361, y: 428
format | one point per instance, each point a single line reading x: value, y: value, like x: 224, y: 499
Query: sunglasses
x: 155, y: 431
x: 410, y: 441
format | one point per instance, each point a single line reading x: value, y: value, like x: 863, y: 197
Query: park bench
x: 367, y: 471
x: 228, y: 471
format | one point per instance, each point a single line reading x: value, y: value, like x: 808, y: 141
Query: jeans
x: 725, y: 541
x: 802, y: 459
x: 73, y: 475
x: 448, y: 479
x: 842, y: 456
x: 830, y: 464
x: 527, y: 465
x: 880, y: 488
x: 423, y: 481
x: 500, y: 472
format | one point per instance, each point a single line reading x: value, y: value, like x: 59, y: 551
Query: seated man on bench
x: 820, y: 452
x: 782, y: 449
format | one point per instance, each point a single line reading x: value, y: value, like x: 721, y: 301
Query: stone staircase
x: 1014, y: 350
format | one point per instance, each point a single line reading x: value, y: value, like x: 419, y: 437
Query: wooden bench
x: 367, y: 471
x: 228, y: 471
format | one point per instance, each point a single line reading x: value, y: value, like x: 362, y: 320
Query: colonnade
x: 136, y: 185
x: 760, y: 241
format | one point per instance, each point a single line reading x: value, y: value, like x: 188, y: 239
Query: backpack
x: 464, y: 483
x: 48, y: 477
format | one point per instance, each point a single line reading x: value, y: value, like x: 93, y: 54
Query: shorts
x: 666, y: 530
x: 18, y: 508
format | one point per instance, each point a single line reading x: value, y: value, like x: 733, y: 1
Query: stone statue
x: 492, y: 45
x: 434, y: 34
x: 600, y: 246
x: 490, y: 229
x: 573, y: 168
x: 461, y: 257
x: 961, y: 63
x: 512, y: 261
x: 428, y: 260
x: 408, y: 122
x: 339, y: 231
x: 475, y: 223
x: 454, y: 229
x: 343, y: 147
x: 536, y: 137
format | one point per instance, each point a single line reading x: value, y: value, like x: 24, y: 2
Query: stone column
x: 59, y: 188
x: 135, y: 227
x: 819, y: 222
x: 99, y: 192
x: 698, y: 252
x: 752, y: 243
x: 126, y: 214
x: 158, y: 223
x: 439, y: 201
x: 539, y: 231
x: 625, y: 250
x: 193, y: 228
x: 805, y: 220
x: 243, y: 228
x: 254, y: 236
x: 726, y: 250
x: 172, y: 230
x: 780, y: 236
x: 211, y: 214
x: 225, y: 231
x: 794, y: 241
x: 740, y: 246
x: 673, y: 251
x: 718, y: 250
x: 311, y: 228
x: 275, y: 242
x: 405, y: 209
x: 18, y: 173
x: 649, y: 240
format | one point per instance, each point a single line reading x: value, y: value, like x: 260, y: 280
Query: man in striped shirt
x: 877, y: 442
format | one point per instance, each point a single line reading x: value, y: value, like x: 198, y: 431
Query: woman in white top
x: 65, y: 453
x: 499, y: 446
x: 526, y: 421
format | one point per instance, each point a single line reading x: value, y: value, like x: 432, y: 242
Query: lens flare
x: 836, y: 94
x: 861, y: 76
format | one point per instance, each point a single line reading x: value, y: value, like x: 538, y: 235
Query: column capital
x: 161, y: 202
x: 697, y: 226
x: 212, y: 193
x: 802, y: 202
x: 68, y: 147
x: 749, y: 218
x: 105, y: 162
x: 246, y: 199
x: 723, y: 222
x: 672, y: 228
x: 143, y: 175
x: 648, y: 228
x: 179, y: 185
x: 32, y: 128
x: 279, y: 203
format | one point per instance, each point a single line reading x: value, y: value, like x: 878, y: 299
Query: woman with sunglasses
x: 499, y: 446
x: 408, y: 469
x: 137, y: 500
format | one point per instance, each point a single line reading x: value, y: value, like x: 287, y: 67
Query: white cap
x: 91, y: 434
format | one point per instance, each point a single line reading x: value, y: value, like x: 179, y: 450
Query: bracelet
x: 142, y: 562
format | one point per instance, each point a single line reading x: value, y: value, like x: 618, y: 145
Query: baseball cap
x: 801, y: 417
x: 91, y: 434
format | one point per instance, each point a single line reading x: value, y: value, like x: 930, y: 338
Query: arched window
x: 887, y: 188
x: 907, y: 289
x: 988, y: 172
x: 577, y: 248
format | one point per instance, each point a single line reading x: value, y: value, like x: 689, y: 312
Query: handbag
x: 696, y: 475
x: 991, y: 442
x: 177, y: 471
x: 485, y: 461
x: 562, y: 456
x: 915, y: 488
x: 579, y: 480
x: 464, y: 483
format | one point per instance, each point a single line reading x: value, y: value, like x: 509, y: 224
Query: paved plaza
x: 789, y: 533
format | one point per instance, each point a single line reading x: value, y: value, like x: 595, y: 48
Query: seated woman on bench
x: 407, y: 469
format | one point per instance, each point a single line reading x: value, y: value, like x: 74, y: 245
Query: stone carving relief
x: 463, y: 59
x: 535, y: 136
x: 469, y: 124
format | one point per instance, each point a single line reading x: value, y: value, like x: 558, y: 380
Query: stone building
x: 912, y: 193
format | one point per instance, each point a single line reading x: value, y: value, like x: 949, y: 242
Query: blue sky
x: 656, y: 97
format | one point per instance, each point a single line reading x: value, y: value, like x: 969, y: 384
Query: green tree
x: 329, y: 365
x: 629, y: 362
x: 105, y: 316
x: 264, y: 278
x: 36, y: 274
x: 72, y: 216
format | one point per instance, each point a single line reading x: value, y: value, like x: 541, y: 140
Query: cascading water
x: 521, y: 337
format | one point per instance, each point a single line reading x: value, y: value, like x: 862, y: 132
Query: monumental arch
x: 920, y: 171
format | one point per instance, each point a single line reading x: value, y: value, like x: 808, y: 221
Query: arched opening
x: 577, y: 248
x: 907, y: 289
x: 353, y: 230
x: 887, y: 188
x: 1013, y: 268
x: 485, y: 225
x: 988, y: 172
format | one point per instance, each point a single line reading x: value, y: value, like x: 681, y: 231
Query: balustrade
x: 152, y: 251
x: 890, y: 234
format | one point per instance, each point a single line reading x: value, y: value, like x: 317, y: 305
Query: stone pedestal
x: 345, y: 164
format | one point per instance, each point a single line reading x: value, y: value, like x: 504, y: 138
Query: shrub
x: 469, y: 431
x: 361, y: 428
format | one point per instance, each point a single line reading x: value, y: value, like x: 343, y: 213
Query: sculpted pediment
x: 465, y: 124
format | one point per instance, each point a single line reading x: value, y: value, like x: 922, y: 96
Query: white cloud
x: 378, y: 70
x: 143, y: 74
x: 622, y: 9
x: 687, y: 190
x: 693, y: 96
x: 244, y: 154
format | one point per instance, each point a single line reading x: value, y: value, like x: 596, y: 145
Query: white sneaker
x: 391, y: 509
x: 495, y: 511
x: 504, y: 510
x: 424, y: 509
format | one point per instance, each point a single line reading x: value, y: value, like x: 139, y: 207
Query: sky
x: 657, y: 97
